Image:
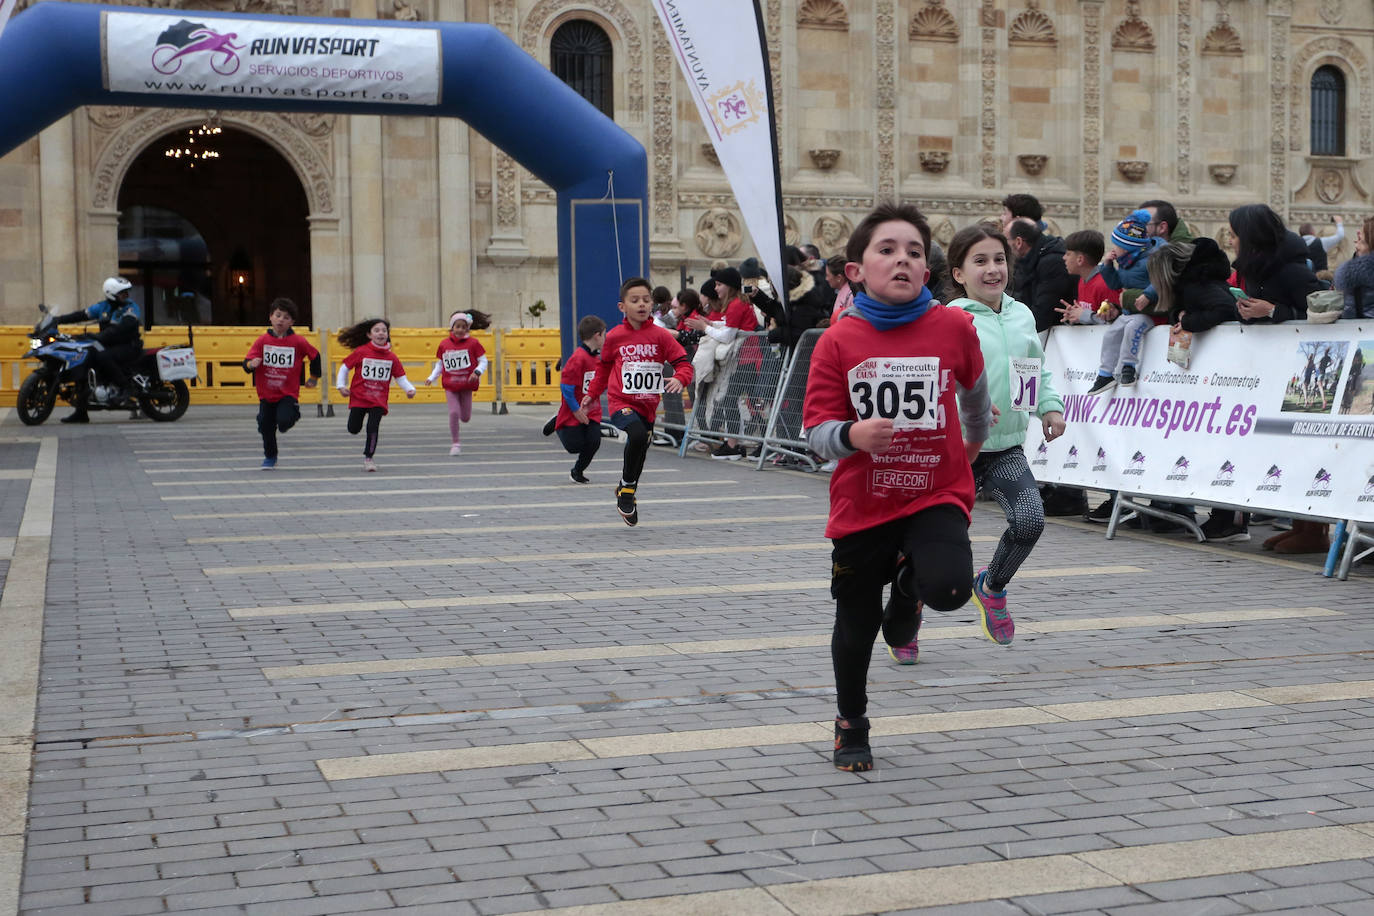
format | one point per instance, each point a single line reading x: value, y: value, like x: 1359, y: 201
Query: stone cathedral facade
x: 1091, y: 105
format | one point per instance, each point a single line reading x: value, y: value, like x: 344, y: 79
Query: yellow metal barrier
x: 522, y: 362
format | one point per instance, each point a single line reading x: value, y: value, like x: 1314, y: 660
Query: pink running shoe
x: 997, y: 623
x: 910, y: 653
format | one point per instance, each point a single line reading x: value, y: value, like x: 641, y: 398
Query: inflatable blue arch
x: 55, y: 57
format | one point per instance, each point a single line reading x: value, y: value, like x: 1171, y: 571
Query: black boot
x: 77, y: 416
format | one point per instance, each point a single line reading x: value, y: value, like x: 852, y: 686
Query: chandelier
x: 198, y: 143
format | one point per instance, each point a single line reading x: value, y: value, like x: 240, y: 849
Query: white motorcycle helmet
x: 114, y: 286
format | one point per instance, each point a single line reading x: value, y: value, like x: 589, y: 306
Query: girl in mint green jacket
x: 1019, y: 385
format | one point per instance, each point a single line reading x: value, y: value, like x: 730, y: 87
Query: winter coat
x: 1003, y: 336
x: 1357, y: 273
x: 806, y: 308
x: 1285, y: 285
x: 1040, y: 280
x: 1201, y: 293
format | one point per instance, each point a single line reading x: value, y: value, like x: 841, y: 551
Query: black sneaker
x: 1062, y: 502
x: 902, y: 615
x: 550, y: 426
x: 578, y: 477
x: 1127, y: 376
x: 1103, y: 513
x: 1221, y: 528
x: 79, y: 416
x: 852, y: 752
x: 625, y: 504
x: 727, y: 452
x: 1103, y: 384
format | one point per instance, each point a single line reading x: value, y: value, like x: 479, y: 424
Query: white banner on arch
x: 1279, y: 418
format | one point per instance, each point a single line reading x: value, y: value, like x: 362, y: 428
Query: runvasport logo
x: 1072, y: 460
x: 1321, y: 483
x: 1224, y: 475
x: 1368, y: 495
x: 1136, y: 465
x: 1101, y: 463
x: 1180, y: 469
x: 1042, y: 455
x: 1272, y: 481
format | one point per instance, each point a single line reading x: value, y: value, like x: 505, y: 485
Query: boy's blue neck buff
x: 885, y: 317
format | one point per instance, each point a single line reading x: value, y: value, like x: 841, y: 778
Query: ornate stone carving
x: 1331, y: 10
x: 830, y: 234
x: 824, y: 159
x: 661, y: 141
x: 885, y: 64
x: 708, y: 152
x: 1133, y: 33
x: 108, y: 117
x: 1280, y: 29
x: 1222, y: 172
x: 933, y: 22
x: 1305, y: 62
x: 933, y: 160
x: 823, y: 14
x: 942, y: 230
x: 1223, y: 39
x: 312, y: 123
x: 791, y: 232
x: 1330, y: 186
x: 533, y: 38
x: 718, y: 233
x: 313, y: 167
x: 1091, y: 211
x: 401, y: 11
x: 1032, y: 163
x: 1183, y: 94
x: 1133, y: 170
x: 1032, y: 27
x: 989, y: 64
x: 1226, y: 239
x: 507, y: 192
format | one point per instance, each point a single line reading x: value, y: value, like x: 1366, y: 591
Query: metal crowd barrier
x: 522, y: 363
x: 736, y: 402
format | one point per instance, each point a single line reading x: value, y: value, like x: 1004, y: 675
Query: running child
x: 376, y: 367
x: 578, y: 427
x: 631, y: 370
x: 1020, y: 386
x: 277, y: 361
x: 461, y: 360
x: 880, y: 398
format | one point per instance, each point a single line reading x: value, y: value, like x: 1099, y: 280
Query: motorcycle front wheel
x: 166, y: 402
x: 37, y: 396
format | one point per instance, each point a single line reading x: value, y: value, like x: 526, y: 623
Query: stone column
x: 1280, y: 13
x: 885, y: 99
x: 366, y: 204
x: 455, y: 219
x: 57, y: 187
x: 328, y: 295
x: 1183, y: 97
x: 1091, y: 191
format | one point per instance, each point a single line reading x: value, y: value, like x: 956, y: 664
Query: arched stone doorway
x: 213, y: 226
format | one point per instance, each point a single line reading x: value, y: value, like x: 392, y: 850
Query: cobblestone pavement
x: 463, y: 685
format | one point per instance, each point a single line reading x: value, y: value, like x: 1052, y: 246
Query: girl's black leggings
x: 373, y: 416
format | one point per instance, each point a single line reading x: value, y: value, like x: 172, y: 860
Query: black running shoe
x: 625, y: 504
x: 578, y: 477
x: 1103, y: 512
x: 852, y: 752
x: 901, y: 616
x: 1103, y: 384
x: 1127, y: 376
x: 550, y: 426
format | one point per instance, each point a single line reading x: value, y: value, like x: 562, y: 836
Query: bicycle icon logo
x: 175, y: 44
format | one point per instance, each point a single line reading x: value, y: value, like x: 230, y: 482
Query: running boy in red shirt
x: 631, y: 370
x: 880, y: 398
x: 578, y: 427
x: 277, y: 361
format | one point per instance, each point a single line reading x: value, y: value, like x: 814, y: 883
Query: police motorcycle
x: 67, y: 370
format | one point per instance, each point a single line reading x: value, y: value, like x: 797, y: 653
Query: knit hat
x: 750, y: 269
x: 708, y: 289
x: 1129, y: 234
x: 729, y: 276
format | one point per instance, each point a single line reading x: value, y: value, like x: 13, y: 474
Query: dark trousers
x: 373, y: 415
x: 638, y: 433
x: 583, y: 441
x: 936, y: 544
x: 274, y: 417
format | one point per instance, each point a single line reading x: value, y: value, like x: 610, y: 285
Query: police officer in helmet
x: 118, y: 342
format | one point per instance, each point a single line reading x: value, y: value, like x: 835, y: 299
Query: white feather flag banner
x: 720, y: 46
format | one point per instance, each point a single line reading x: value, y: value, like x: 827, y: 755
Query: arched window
x: 1328, y: 112
x: 581, y: 57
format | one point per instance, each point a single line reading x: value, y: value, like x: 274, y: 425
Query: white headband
x: 466, y: 316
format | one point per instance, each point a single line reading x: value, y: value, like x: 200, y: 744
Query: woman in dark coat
x: 1191, y: 279
x: 1271, y: 266
x: 1355, y: 278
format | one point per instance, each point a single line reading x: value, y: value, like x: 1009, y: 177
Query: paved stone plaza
x: 463, y: 685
